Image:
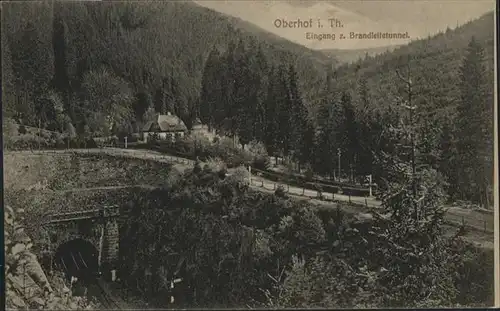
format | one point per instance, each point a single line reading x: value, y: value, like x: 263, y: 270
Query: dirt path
x: 483, y: 221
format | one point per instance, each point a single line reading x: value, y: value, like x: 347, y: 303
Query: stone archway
x: 77, y: 257
x: 94, y: 237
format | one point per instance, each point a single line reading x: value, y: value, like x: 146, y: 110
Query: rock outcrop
x: 27, y: 285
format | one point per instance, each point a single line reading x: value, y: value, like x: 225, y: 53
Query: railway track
x: 102, y: 294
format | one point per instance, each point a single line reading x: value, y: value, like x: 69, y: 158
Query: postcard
x: 250, y: 154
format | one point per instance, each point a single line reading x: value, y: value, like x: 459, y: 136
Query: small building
x: 201, y: 129
x: 164, y: 127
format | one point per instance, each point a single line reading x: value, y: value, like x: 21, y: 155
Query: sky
x: 419, y: 18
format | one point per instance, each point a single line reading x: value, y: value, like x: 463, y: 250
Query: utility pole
x: 339, y: 154
x: 353, y: 168
x: 39, y: 132
x: 370, y: 181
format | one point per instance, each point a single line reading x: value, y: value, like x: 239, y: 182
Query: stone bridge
x: 86, y: 242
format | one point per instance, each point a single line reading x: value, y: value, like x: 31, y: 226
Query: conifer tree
x: 141, y: 104
x: 60, y: 80
x: 366, y: 124
x: 283, y: 102
x: 363, y: 93
x: 160, y: 104
x: 244, y: 96
x: 474, y: 127
x: 329, y: 139
x: 411, y: 234
x: 271, y: 139
x: 32, y: 69
x: 210, y: 91
x: 228, y: 96
x: 259, y: 68
x: 350, y: 138
x: 169, y: 94
x: 301, y: 129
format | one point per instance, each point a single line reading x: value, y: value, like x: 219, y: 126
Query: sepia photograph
x: 249, y: 154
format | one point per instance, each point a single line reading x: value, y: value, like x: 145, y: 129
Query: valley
x: 196, y: 155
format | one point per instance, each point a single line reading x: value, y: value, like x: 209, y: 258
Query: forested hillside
x: 99, y: 67
x: 451, y: 76
x: 69, y: 56
x: 435, y: 64
x: 359, y: 115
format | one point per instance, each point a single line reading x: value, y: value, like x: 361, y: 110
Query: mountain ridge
x: 352, y: 55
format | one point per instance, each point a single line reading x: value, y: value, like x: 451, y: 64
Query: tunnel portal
x: 77, y: 258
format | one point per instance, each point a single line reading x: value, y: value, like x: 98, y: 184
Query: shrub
x: 226, y: 143
x: 215, y: 164
x: 280, y: 191
x: 90, y: 143
x: 195, y: 144
x: 257, y: 148
x: 261, y: 162
x: 79, y: 142
x: 28, y: 141
x: 22, y: 130
x: 199, y: 146
x: 44, y: 134
x: 238, y: 159
x: 309, y: 173
x: 10, y: 128
x: 55, y: 136
x: 105, y: 141
x: 174, y: 177
x: 197, y: 168
x: 240, y: 174
x: 222, y: 173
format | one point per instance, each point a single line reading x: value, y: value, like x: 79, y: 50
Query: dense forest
x: 97, y: 68
x: 235, y: 247
x: 445, y: 79
x: 452, y: 94
x: 72, y: 57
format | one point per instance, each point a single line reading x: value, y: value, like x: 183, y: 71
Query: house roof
x: 165, y: 123
x: 197, y: 121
